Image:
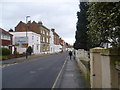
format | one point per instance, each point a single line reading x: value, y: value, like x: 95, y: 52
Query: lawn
x: 3, y: 57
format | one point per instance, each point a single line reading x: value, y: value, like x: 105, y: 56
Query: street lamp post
x: 26, y: 32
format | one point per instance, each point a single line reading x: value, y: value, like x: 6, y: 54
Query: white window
x: 2, y: 36
x: 47, y: 39
x: 5, y: 36
x: 43, y: 32
x: 8, y: 37
x: 47, y: 33
x: 41, y: 38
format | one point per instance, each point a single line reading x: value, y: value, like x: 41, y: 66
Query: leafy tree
x: 104, y: 26
x: 29, y: 50
x: 11, y: 30
x: 81, y: 35
x: 67, y: 44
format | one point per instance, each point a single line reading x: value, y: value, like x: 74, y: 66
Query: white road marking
x: 59, y: 74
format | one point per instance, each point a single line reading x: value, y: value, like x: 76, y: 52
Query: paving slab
x: 72, y: 76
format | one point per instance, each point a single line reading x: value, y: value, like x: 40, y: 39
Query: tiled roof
x: 5, y: 32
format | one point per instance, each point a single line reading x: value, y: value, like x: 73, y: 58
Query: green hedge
x: 5, y: 51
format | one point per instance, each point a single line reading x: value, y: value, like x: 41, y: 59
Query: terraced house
x: 5, y: 39
x: 57, y: 46
x: 45, y: 38
x: 38, y: 28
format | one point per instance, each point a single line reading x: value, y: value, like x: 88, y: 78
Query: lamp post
x: 26, y: 33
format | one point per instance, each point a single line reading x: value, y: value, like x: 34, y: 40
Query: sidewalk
x: 72, y: 77
x: 23, y: 59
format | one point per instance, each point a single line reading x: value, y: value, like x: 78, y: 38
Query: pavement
x: 71, y: 76
x: 23, y: 59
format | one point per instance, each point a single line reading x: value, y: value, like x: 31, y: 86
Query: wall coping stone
x: 103, y: 51
x: 96, y: 50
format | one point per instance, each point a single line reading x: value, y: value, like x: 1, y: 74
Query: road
x: 40, y: 73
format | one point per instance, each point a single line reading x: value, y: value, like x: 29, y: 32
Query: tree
x: 29, y: 50
x: 81, y: 35
x: 104, y: 26
x: 11, y: 30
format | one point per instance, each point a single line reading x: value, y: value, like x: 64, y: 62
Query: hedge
x: 5, y: 51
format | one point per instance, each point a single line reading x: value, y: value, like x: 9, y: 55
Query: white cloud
x: 70, y: 40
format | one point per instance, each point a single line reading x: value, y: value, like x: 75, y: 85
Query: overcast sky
x: 57, y: 14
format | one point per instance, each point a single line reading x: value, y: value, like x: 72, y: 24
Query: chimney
x: 53, y: 30
x: 29, y: 22
x: 40, y: 23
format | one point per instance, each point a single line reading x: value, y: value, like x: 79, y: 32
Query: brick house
x: 45, y: 38
x: 6, y: 39
x: 56, y: 37
x: 63, y: 44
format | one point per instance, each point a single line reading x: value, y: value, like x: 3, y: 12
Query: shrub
x: 5, y: 51
x: 16, y: 53
x: 29, y: 50
x: 0, y: 51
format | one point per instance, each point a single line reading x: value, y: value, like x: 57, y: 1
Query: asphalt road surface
x: 40, y: 73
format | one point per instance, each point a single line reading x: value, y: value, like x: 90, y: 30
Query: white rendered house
x: 33, y: 41
x: 58, y: 48
x: 52, y: 46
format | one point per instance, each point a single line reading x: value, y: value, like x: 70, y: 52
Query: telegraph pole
x: 26, y: 33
